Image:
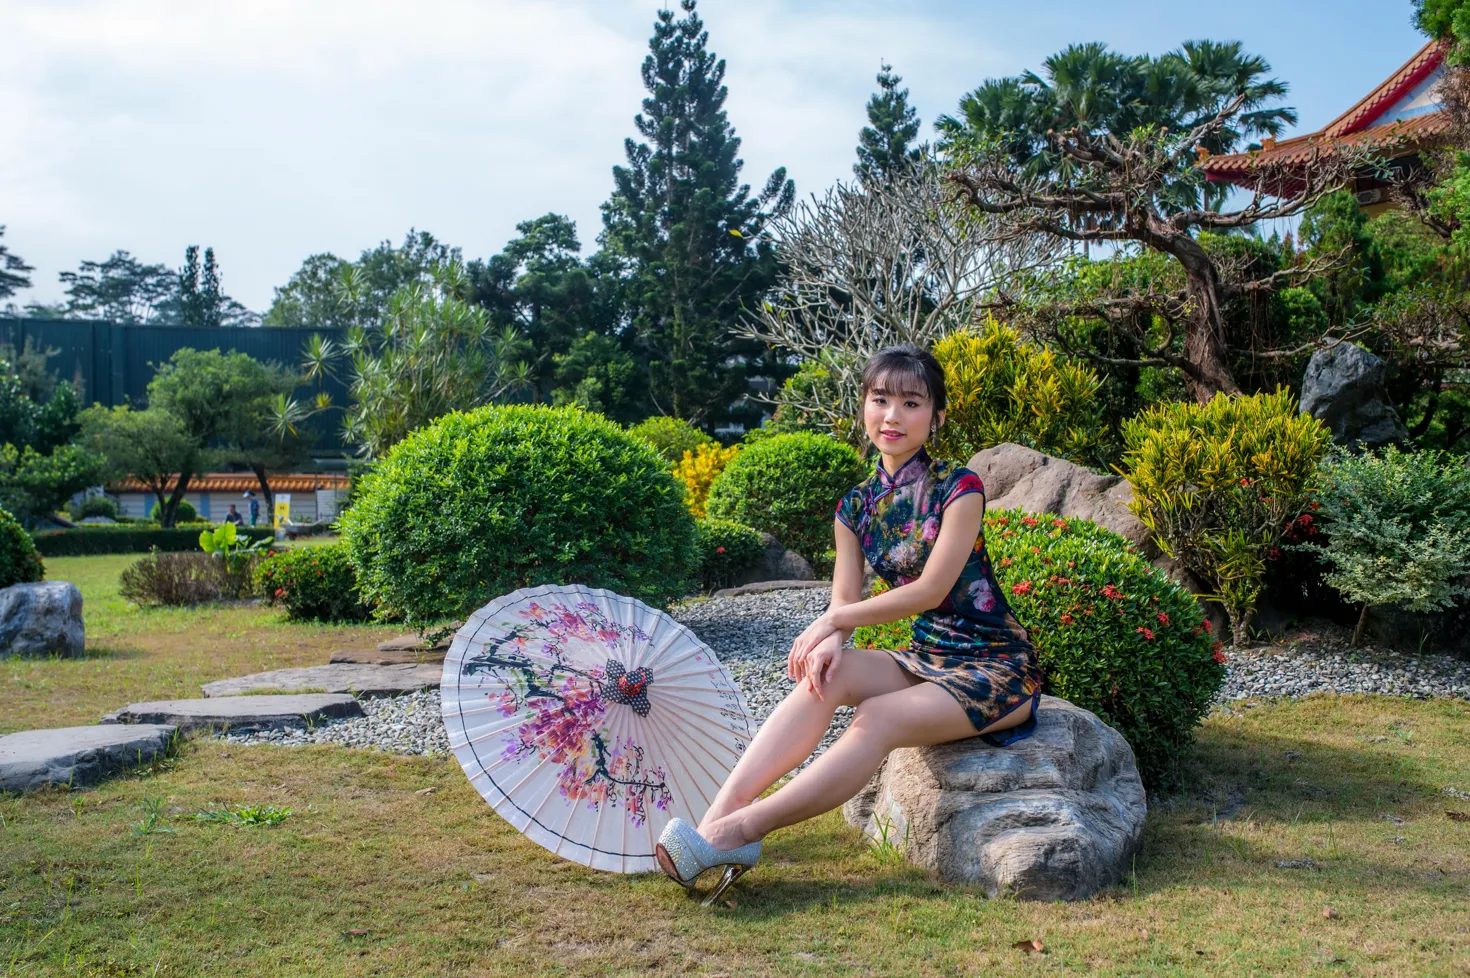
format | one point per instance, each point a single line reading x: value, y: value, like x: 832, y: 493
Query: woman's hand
x: 820, y: 665
x: 815, y: 633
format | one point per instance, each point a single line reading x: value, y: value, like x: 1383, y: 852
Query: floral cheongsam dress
x: 971, y: 644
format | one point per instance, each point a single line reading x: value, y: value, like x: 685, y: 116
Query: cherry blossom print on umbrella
x: 588, y: 719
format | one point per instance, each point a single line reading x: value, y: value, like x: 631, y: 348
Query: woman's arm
x: 847, y: 585
x: 957, y: 535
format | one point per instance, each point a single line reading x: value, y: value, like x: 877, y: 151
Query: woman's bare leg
x: 911, y: 717
x: 796, y: 726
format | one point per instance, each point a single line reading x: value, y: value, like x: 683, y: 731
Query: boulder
x: 355, y: 678
x: 239, y: 712
x: 777, y: 564
x: 413, y: 642
x: 1343, y: 388
x: 41, y: 619
x: 1017, y: 477
x: 77, y: 756
x: 1055, y: 816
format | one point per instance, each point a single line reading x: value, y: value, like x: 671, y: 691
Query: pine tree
x: 13, y: 271
x: 687, y: 234
x: 211, y: 299
x: 190, y: 310
x: 884, y: 145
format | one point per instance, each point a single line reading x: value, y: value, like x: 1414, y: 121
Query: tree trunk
x: 1204, y: 332
x: 168, y: 510
x: 1358, y: 629
x: 265, y: 491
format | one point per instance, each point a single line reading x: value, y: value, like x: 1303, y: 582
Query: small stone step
x: 77, y: 755
x: 416, y: 643
x: 342, y: 677
x: 375, y: 658
x: 237, y: 712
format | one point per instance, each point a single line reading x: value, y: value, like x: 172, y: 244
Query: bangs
x: 898, y: 380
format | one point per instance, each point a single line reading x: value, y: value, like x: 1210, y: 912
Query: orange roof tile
x: 241, y: 481
x: 1352, y: 128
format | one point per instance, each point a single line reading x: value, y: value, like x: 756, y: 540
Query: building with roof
x: 314, y: 496
x: 1395, y: 121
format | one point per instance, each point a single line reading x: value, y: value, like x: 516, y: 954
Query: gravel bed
x: 752, y: 634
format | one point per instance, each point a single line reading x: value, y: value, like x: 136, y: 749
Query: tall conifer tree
x: 885, y: 145
x: 686, y: 233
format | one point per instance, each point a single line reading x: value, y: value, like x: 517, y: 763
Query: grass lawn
x: 154, y: 654
x: 394, y: 866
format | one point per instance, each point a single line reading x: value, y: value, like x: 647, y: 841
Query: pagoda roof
x: 1398, y: 117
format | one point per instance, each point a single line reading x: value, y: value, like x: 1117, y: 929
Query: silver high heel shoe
x: 683, y: 855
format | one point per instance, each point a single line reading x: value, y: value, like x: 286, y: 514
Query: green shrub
x: 312, y: 584
x: 725, y: 550
x: 1398, y: 529
x: 1221, y: 484
x: 1003, y: 389
x: 1113, y: 634
x: 477, y: 504
x: 183, y: 513
x: 130, y: 538
x: 19, y: 561
x: 671, y: 436
x: 788, y: 486
x: 95, y: 506
x: 178, y: 579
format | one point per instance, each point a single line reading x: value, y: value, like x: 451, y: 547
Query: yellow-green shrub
x: 671, y: 436
x: 1219, y: 485
x: 1004, y: 389
x: 698, y: 469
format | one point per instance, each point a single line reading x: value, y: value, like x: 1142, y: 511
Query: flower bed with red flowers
x: 313, y: 584
x: 1114, y: 635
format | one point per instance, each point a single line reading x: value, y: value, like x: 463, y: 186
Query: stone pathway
x: 240, y: 712
x: 77, y: 755
x: 358, y: 679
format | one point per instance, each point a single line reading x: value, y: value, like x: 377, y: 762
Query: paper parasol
x: 587, y: 720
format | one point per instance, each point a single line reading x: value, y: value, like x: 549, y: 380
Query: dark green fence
x: 112, y: 363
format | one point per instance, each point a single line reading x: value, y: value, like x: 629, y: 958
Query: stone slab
x: 759, y: 587
x: 372, y: 657
x: 77, y: 755
x: 250, y: 712
x: 355, y: 678
x: 413, y: 642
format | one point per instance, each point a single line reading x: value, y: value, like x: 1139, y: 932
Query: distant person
x: 233, y: 516
x: 254, y: 507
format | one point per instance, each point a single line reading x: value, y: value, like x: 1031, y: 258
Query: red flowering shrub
x: 723, y: 550
x: 315, y: 583
x: 1114, y: 634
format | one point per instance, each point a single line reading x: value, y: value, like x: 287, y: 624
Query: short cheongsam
x: 971, y: 644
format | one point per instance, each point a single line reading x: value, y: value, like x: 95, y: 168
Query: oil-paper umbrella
x: 587, y: 720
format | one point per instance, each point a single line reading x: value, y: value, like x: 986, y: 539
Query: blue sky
x: 280, y: 128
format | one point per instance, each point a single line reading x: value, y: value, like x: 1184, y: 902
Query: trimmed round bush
x: 1113, y: 634
x: 788, y: 486
x: 19, y: 562
x: 726, y: 550
x: 312, y: 584
x: 183, y: 513
x: 96, y: 506
x: 480, y: 503
x: 671, y: 436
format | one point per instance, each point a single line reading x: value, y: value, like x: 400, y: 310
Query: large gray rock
x: 1343, y: 388
x: 397, y: 658
x: 41, y: 619
x: 355, y: 678
x: 1017, y: 477
x: 240, y: 712
x: 1055, y: 816
x: 77, y: 755
x: 413, y: 642
x: 777, y: 564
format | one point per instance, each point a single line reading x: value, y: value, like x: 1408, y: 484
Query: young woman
x: 970, y: 670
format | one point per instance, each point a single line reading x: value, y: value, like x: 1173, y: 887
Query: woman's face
x: 898, y: 421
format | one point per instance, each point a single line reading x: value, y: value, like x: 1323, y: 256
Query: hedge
x: 130, y: 539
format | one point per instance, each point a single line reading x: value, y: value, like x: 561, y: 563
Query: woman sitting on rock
x: 971, y: 668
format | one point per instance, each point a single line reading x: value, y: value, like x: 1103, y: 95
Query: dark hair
x: 906, y: 369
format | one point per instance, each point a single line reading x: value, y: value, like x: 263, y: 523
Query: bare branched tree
x: 1115, y: 191
x: 866, y: 268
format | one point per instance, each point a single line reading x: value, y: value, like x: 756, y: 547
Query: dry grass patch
x: 369, y: 876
